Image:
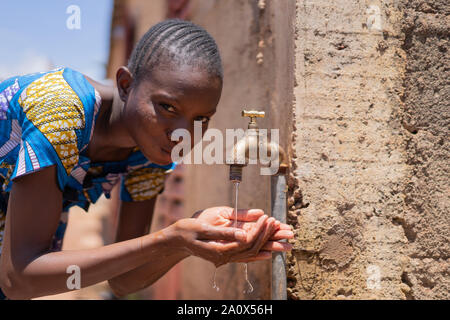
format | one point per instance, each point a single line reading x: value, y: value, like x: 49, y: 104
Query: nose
x: 169, y: 138
x: 180, y: 124
x: 186, y: 124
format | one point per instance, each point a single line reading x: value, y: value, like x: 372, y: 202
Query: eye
x: 167, y: 107
x: 202, y: 119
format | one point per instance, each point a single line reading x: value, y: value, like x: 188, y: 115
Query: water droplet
x: 215, y: 286
x: 249, y: 288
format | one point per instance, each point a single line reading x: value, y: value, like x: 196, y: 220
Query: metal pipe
x: 279, y: 210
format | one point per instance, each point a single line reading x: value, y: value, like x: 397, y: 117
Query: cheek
x: 144, y: 126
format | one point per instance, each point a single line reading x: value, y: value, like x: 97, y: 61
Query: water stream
x: 249, y: 286
x: 215, y: 286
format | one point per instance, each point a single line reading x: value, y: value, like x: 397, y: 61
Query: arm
x: 28, y: 270
x: 135, y: 219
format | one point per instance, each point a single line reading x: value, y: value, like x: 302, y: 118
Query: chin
x: 163, y: 162
x: 163, y: 158
x: 166, y: 157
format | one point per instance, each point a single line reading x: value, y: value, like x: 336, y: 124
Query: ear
x: 124, y: 82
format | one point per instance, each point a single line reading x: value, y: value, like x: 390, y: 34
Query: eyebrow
x: 170, y: 97
x: 166, y: 96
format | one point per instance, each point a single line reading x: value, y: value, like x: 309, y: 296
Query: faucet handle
x: 253, y: 114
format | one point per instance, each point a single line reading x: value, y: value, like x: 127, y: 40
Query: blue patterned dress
x: 48, y: 119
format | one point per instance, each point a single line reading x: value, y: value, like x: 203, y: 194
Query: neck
x: 110, y: 140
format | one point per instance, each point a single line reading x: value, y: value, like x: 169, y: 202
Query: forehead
x: 183, y: 81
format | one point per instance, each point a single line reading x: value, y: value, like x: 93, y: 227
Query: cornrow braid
x: 176, y: 41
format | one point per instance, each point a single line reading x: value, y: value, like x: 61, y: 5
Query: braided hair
x: 175, y: 41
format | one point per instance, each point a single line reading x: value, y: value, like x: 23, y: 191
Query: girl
x: 66, y: 139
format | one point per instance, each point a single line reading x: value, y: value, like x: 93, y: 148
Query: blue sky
x: 34, y: 35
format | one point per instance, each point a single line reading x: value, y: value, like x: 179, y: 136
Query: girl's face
x: 167, y: 100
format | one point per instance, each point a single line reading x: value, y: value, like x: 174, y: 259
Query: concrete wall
x: 367, y: 190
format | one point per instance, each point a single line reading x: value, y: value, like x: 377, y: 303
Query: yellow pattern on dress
x: 145, y: 183
x: 55, y: 109
x: 6, y: 178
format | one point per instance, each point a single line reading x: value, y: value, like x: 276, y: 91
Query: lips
x: 168, y: 154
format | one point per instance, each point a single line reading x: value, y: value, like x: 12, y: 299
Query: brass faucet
x: 250, y: 144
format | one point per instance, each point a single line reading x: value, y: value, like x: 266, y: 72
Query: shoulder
x: 59, y: 89
x: 58, y: 111
x: 55, y: 111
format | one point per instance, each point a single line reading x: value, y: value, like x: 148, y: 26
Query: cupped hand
x: 213, y: 234
x: 245, y: 219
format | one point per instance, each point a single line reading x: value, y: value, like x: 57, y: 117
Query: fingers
x: 221, y: 233
x: 284, y: 226
x: 282, y: 234
x: 277, y: 246
x: 250, y: 215
x: 243, y: 214
x: 263, y: 236
x: 263, y: 255
x: 287, y: 229
x: 241, y: 225
x: 257, y: 228
x: 266, y: 251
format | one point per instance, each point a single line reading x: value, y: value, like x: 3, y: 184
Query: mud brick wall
x: 369, y: 189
